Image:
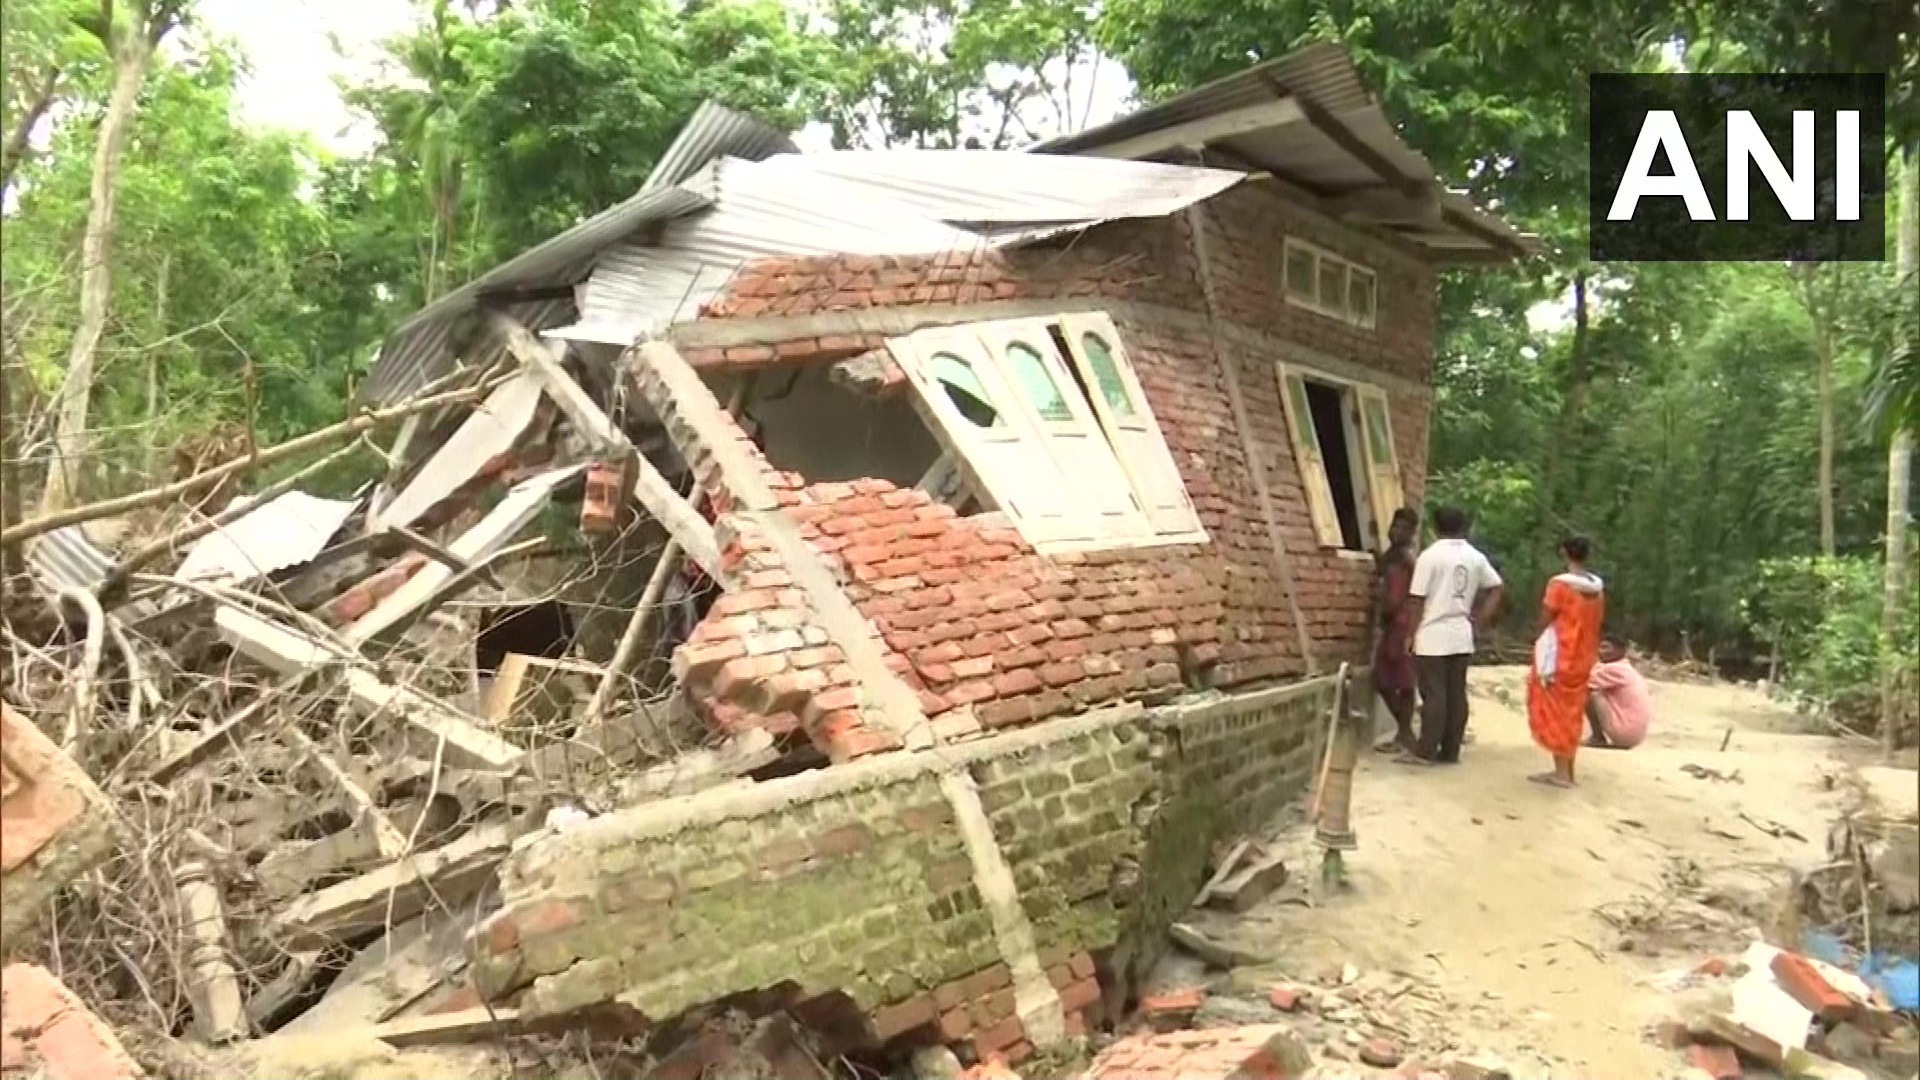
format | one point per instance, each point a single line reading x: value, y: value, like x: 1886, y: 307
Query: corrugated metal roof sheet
x: 423, y: 347
x: 66, y: 558
x: 1296, y: 149
x: 285, y: 532
x: 867, y: 202
x: 493, y: 429
x: 716, y: 132
x: 1322, y: 73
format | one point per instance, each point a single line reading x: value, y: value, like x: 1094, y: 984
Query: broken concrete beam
x: 1806, y: 1065
x: 398, y: 892
x: 47, y: 1033
x: 1249, y: 884
x: 54, y: 824
x: 399, y: 969
x: 1216, y: 953
x: 1227, y: 865
x: 696, y: 770
x: 465, y: 1025
x: 430, y: 720
x: 1263, y: 1051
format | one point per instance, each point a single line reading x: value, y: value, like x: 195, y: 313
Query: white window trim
x: 1353, y: 430
x: 1343, y: 311
x: 989, y: 335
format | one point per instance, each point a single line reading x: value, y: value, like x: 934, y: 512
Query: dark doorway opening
x: 543, y: 629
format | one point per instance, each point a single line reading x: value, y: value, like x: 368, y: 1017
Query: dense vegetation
x: 1722, y: 430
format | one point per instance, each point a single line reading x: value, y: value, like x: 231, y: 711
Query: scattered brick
x: 1284, y: 998
x: 1804, y: 982
x: 1716, y: 1060
x: 1264, y: 1051
x: 45, y: 1029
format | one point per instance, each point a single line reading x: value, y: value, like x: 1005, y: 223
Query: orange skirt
x: 1557, y: 713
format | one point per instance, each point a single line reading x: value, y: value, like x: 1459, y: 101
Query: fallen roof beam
x: 399, y: 891
x: 501, y: 524
x: 651, y: 489
x: 290, y: 651
x: 1194, y: 134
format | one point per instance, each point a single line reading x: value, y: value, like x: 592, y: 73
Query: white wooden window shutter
x: 1383, y: 462
x: 949, y: 368
x: 1107, y: 372
x: 1307, y: 457
x: 1031, y: 365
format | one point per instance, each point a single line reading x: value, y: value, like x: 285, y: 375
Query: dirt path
x: 1535, y: 922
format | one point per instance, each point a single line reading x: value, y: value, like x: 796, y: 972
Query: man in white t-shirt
x: 1456, y: 590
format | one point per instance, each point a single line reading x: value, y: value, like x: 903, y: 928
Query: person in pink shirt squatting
x: 1620, y: 707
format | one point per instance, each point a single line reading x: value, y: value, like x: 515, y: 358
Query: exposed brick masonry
x: 745, y: 890
x: 1230, y: 584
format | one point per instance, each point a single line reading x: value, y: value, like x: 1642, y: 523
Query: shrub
x: 1822, y: 617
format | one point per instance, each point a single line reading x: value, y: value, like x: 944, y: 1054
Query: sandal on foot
x: 1547, y: 779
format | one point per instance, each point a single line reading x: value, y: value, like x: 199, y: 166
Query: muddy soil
x: 1486, y: 913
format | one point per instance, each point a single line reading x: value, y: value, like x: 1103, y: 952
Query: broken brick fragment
x: 54, y: 823
x: 1716, y: 1060
x: 1799, y: 978
x: 45, y: 1031
x: 1255, y: 1052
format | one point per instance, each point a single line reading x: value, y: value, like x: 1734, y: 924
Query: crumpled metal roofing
x: 731, y: 190
x: 424, y: 347
x: 287, y: 531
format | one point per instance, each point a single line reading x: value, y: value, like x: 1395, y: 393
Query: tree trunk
x: 21, y: 139
x: 1573, y: 401
x: 1900, y: 455
x: 132, y: 52
x: 1823, y: 354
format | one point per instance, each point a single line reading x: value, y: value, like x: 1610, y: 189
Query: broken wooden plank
x: 397, y: 892
x: 535, y: 692
x: 291, y: 868
x: 501, y: 524
x: 465, y: 1025
x: 288, y: 650
x: 387, y: 840
x: 650, y: 489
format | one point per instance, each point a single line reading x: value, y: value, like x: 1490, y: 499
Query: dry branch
x: 348, y: 428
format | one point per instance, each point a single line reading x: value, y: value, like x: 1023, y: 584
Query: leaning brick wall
x: 1252, y: 634
x: 854, y: 883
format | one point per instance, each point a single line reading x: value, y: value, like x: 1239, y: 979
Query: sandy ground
x: 1536, y: 922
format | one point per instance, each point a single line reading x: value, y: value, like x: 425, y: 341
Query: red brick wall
x: 972, y: 615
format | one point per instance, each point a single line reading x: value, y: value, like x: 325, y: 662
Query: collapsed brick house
x: 1037, y: 439
x: 1038, y: 490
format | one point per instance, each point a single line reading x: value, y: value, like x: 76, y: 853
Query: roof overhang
x: 1306, y: 119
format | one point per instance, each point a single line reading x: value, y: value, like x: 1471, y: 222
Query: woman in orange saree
x: 1564, y: 652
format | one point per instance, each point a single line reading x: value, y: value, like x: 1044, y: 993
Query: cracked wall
x: 856, y: 880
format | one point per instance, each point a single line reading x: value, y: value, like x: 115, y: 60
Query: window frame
x: 1370, y: 504
x: 1092, y: 527
x: 1318, y: 257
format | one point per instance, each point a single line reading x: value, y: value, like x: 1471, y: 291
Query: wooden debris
x: 465, y: 1025
x: 292, y: 867
x: 398, y: 892
x: 400, y: 968
x: 287, y: 650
